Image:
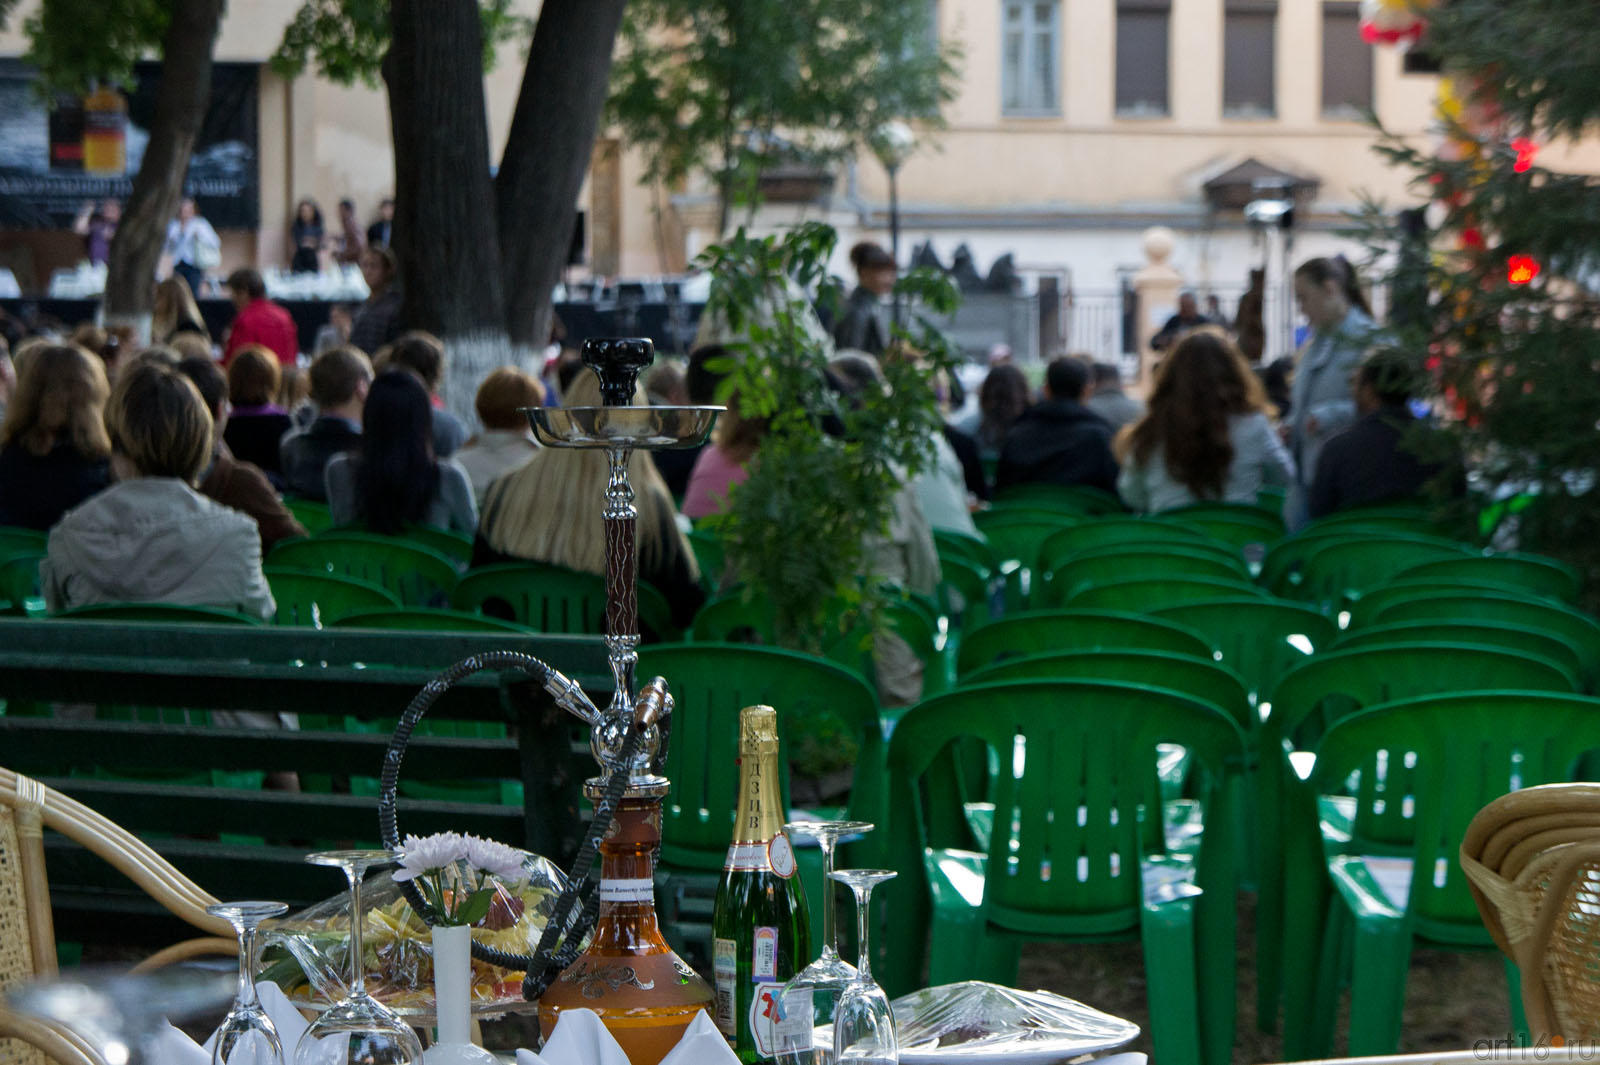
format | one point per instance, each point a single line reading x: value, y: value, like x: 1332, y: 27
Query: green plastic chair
x: 1125, y: 532
x: 1079, y: 497
x: 1239, y: 524
x: 456, y: 546
x: 1210, y: 682
x: 548, y: 598
x: 965, y: 592
x: 1304, y: 704
x: 1075, y: 841
x: 1259, y: 638
x: 1459, y: 752
x: 1106, y: 565
x: 1484, y: 631
x: 311, y: 513
x: 711, y: 557
x: 19, y: 584
x: 1147, y: 595
x: 425, y: 619
x: 1407, y: 589
x: 317, y: 600
x: 1052, y: 631
x: 1415, y: 518
x: 1339, y: 572
x: 1525, y: 572
x: 1271, y: 497
x: 15, y: 540
x: 1579, y: 630
x: 973, y: 549
x: 1285, y: 557
x: 1016, y: 534
x: 158, y: 612
x: 417, y: 575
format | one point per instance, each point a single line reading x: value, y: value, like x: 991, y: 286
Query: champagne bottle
x: 760, y: 931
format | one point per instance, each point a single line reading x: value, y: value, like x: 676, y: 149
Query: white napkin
x: 580, y: 1039
x: 171, y: 1047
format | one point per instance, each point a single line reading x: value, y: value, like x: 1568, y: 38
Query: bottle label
x: 780, y: 854
x: 627, y: 891
x: 764, y: 954
x: 725, y: 969
x: 747, y: 856
x: 797, y: 1021
x: 766, y: 1017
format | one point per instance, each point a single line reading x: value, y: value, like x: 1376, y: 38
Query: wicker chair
x: 1532, y: 859
x: 27, y: 931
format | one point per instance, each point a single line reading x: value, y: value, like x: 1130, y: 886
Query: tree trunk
x: 444, y: 225
x: 547, y: 154
x: 181, y: 103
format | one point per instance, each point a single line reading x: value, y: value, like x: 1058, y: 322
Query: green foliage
x: 75, y: 43
x: 347, y: 39
x: 732, y: 87
x: 823, y: 480
x: 1516, y: 366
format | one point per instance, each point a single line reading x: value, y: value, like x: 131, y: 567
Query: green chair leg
x: 1169, y: 955
x: 1380, y: 957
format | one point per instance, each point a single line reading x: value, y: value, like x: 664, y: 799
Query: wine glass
x: 811, y: 997
x: 358, y: 1029
x: 247, y: 1035
x: 863, y: 1023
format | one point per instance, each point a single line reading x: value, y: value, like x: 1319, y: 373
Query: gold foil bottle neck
x: 758, y: 731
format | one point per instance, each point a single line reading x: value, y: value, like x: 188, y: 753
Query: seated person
x: 150, y: 537
x: 1384, y: 456
x: 54, y: 452
x: 340, y: 378
x: 227, y: 479
x: 506, y: 441
x: 422, y: 354
x: 1058, y: 440
x: 393, y: 478
x: 256, y: 423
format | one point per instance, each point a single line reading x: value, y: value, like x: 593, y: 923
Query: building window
x: 1346, y: 62
x: 1029, y: 74
x: 1249, y: 62
x: 1142, y: 57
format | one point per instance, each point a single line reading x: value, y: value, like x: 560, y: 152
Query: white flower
x: 494, y: 858
x: 430, y: 854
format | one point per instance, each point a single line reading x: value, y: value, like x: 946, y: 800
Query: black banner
x: 57, y: 156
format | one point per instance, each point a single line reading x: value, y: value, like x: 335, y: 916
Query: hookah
x: 629, y: 738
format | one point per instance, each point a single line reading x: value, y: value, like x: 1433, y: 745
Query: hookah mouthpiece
x: 617, y: 361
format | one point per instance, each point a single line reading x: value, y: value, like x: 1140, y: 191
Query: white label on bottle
x: 764, y: 954
x: 627, y: 891
x: 747, y: 856
x: 725, y: 969
x: 797, y: 1021
x: 781, y: 854
x: 766, y: 1014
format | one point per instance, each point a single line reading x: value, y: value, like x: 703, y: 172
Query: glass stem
x: 863, y: 922
x: 358, y: 971
x: 249, y: 945
x: 830, y: 935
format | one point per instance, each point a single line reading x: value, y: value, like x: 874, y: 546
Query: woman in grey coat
x: 1342, y: 332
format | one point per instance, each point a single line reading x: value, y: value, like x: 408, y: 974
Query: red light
x: 1526, y: 149
x: 1521, y: 269
x: 1471, y: 237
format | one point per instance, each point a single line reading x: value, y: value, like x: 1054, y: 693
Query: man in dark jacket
x: 1059, y: 440
x: 339, y: 381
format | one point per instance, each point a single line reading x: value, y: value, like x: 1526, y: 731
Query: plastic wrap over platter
x: 307, y: 953
x: 979, y: 1022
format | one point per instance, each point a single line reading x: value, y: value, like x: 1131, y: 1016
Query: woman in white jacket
x: 1205, y: 435
x: 150, y: 537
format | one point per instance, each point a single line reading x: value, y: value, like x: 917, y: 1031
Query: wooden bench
x: 366, y: 674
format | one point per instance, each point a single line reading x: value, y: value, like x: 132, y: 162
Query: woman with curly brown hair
x: 1205, y: 435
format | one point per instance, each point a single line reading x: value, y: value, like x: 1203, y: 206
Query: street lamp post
x: 893, y: 143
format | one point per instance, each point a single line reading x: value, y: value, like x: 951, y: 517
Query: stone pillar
x: 1157, y: 287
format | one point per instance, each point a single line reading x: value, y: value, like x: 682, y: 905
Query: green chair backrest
x: 964, y: 591
x: 1346, y: 568
x: 1079, y: 497
x: 453, y: 545
x: 1483, y: 631
x: 15, y: 540
x: 1414, y: 518
x: 1238, y: 524
x: 1577, y: 628
x: 316, y: 600
x: 1146, y: 595
x: 973, y: 549
x: 1075, y: 798
x: 1105, y: 565
x: 1460, y: 751
x: 158, y: 612
x: 1285, y: 557
x: 1054, y: 631
x: 311, y: 513
x: 1016, y: 536
x: 1259, y: 638
x: 417, y: 575
x: 1524, y: 572
x: 1405, y: 589
x: 731, y: 618
x: 710, y: 684
x: 1124, y: 532
x: 425, y: 619
x: 19, y: 583
x: 711, y: 557
x: 548, y: 598
x: 1195, y: 677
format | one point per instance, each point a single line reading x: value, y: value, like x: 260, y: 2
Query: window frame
x: 1031, y: 52
x: 1251, y: 111
x: 1345, y: 111
x: 1142, y: 110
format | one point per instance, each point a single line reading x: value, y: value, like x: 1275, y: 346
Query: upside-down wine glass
x: 358, y: 1029
x: 863, y: 1024
x: 247, y: 1035
x: 812, y: 996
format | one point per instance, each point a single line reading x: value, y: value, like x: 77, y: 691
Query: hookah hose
x: 546, y: 963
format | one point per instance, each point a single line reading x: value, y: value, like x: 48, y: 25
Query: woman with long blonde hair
x: 1205, y: 434
x: 54, y: 450
x: 549, y: 511
x: 175, y: 312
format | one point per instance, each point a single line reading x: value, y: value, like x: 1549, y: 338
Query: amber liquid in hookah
x: 644, y: 993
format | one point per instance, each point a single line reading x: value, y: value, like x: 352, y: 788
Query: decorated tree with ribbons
x: 1497, y: 279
